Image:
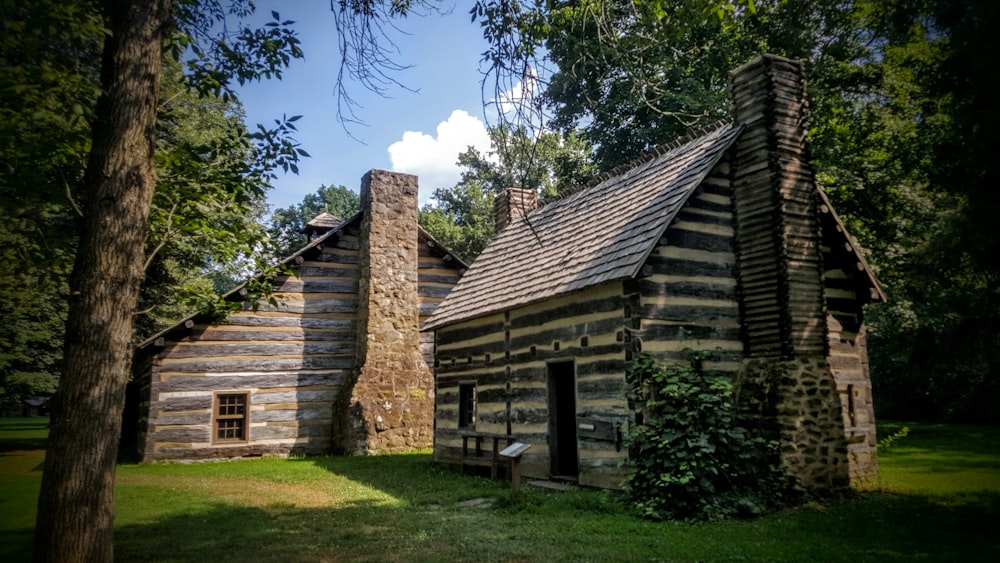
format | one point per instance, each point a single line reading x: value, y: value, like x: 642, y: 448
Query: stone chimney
x: 787, y: 383
x: 390, y: 406
x: 511, y: 204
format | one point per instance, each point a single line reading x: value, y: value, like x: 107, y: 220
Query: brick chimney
x: 787, y: 383
x: 511, y: 204
x: 390, y: 407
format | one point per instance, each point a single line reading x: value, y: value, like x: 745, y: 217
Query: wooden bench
x: 475, y: 455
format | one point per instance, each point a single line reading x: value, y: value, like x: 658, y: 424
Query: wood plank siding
x: 437, y: 272
x: 292, y: 360
x: 689, y: 298
x: 507, y: 356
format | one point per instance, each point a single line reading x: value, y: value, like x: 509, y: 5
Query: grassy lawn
x: 938, y: 500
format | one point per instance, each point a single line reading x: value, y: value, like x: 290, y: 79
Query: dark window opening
x: 231, y: 417
x: 851, y: 414
x: 467, y: 405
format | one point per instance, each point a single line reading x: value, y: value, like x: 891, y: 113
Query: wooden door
x: 562, y: 419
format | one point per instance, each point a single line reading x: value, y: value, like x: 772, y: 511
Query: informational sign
x: 515, y: 450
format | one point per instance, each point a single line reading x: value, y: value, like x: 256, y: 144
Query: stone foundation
x: 796, y: 402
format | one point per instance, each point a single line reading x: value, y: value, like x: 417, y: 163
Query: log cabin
x: 721, y: 242
x: 338, y: 365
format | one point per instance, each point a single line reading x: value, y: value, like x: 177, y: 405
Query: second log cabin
x: 339, y: 365
x: 720, y: 242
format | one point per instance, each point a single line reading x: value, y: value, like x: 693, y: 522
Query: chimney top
x: 510, y: 204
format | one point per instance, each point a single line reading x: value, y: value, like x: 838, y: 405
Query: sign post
x: 514, y: 452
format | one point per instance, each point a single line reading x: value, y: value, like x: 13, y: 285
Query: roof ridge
x: 647, y: 155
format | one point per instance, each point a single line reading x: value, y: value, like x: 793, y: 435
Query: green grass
x: 938, y: 500
x: 23, y: 433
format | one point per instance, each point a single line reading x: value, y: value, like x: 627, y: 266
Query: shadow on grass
x: 412, y: 478
x: 23, y: 433
x: 879, y: 527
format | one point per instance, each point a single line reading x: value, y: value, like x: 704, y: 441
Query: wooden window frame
x: 243, y: 417
x: 467, y: 403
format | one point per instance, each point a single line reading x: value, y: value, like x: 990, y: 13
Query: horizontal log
x: 313, y: 445
x: 300, y: 322
x: 337, y: 256
x: 270, y: 432
x: 679, y: 267
x: 569, y: 333
x: 574, y: 309
x: 202, y: 350
x: 242, y: 382
x: 264, y: 398
x: 527, y: 415
x: 694, y: 333
x: 328, y: 271
x: 166, y: 419
x: 181, y: 404
x: 291, y: 414
x: 691, y: 314
x: 598, y: 388
x: 189, y: 434
x: 241, y: 365
x: 468, y: 331
x: 599, y: 367
x: 438, y: 278
x: 476, y: 351
x: 212, y: 334
x: 687, y: 214
x: 700, y: 241
x: 309, y: 307
x: 655, y: 288
x: 317, y: 286
x: 425, y: 290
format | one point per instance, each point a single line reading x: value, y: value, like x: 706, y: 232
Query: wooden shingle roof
x: 599, y: 234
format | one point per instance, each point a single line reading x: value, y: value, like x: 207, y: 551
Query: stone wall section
x: 390, y: 408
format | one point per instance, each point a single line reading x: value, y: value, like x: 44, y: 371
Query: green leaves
x: 691, y: 458
x: 287, y: 223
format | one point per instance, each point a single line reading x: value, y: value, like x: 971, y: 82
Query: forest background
x: 904, y: 136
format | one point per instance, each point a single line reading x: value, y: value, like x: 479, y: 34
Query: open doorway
x: 562, y: 419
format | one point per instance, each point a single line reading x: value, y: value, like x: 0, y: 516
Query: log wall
x: 507, y: 355
x: 776, y: 210
x: 437, y: 274
x: 292, y: 359
x: 689, y: 299
x: 848, y: 361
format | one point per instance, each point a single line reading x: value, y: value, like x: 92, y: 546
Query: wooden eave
x: 237, y: 292
x: 440, y: 250
x: 829, y: 214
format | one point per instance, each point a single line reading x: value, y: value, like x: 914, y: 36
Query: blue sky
x: 426, y: 129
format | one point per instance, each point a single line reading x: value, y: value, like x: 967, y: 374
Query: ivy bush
x: 690, y: 456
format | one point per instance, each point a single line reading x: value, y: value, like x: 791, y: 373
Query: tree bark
x: 76, y: 503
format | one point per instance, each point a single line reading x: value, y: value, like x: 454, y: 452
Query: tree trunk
x: 76, y: 503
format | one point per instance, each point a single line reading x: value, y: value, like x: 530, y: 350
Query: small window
x: 851, y: 413
x: 467, y: 405
x: 231, y: 414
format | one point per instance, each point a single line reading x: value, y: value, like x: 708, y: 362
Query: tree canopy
x: 287, y: 223
x: 461, y: 217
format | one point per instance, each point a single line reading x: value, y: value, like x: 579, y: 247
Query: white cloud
x: 433, y: 158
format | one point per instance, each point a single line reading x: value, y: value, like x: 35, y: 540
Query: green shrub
x: 690, y: 457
